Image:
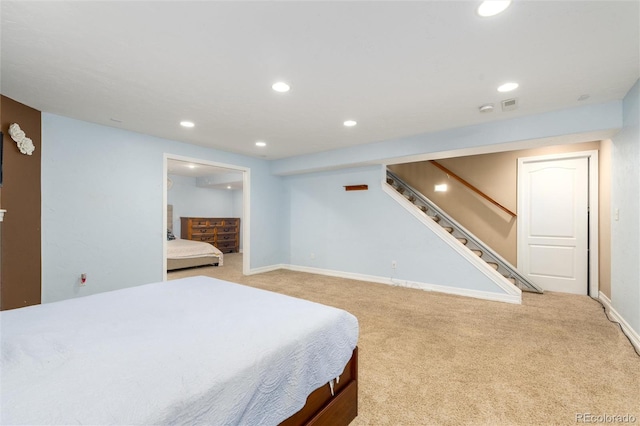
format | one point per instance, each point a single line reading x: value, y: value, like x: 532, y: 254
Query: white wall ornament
x: 25, y: 144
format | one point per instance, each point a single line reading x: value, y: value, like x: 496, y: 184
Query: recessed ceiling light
x: 486, y: 108
x: 281, y: 86
x: 441, y: 188
x: 187, y: 123
x: 507, y: 87
x: 191, y: 166
x: 228, y: 186
x: 350, y: 123
x: 491, y: 8
x: 261, y: 144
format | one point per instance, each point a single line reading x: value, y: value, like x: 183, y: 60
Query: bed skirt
x: 190, y: 262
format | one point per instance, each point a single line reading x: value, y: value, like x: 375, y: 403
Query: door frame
x: 593, y: 285
x: 246, y: 207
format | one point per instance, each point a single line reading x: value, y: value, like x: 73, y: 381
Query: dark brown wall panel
x: 20, y: 276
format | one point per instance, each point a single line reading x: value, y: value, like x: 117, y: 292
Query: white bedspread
x: 193, y: 351
x: 184, y: 249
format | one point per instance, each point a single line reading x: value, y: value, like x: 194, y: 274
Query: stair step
x: 477, y: 252
x: 493, y: 265
x: 511, y: 279
x: 448, y: 229
x: 411, y: 198
x: 390, y: 181
x: 463, y: 240
x: 437, y: 219
x: 423, y: 208
x: 400, y: 189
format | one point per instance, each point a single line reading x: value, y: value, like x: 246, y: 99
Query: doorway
x: 246, y: 191
x: 558, y: 221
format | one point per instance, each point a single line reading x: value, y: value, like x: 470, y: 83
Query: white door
x: 553, y: 224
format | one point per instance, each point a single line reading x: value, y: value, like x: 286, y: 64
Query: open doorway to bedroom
x: 196, y: 188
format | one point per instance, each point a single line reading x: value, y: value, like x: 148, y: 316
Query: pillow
x: 170, y: 236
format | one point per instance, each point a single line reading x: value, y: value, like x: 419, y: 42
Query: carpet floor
x: 433, y: 359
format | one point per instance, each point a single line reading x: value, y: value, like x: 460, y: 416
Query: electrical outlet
x: 394, y: 264
x: 83, y: 280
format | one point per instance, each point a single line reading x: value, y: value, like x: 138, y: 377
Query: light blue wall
x: 625, y: 196
x: 596, y: 122
x: 190, y: 200
x: 102, y: 206
x: 363, y: 231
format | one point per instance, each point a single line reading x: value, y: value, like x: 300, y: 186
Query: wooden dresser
x: 223, y: 233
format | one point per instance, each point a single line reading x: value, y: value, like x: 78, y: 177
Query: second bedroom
x: 204, y: 204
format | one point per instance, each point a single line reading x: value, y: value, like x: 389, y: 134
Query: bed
x: 186, y: 253
x: 192, y: 351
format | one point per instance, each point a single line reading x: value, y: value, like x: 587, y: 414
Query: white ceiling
x: 398, y: 68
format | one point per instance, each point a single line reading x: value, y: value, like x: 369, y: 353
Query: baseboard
x: 476, y: 294
x: 633, y: 336
x: 264, y: 269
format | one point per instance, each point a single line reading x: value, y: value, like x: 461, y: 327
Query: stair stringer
x: 493, y: 275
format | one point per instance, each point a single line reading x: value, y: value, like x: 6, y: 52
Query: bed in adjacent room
x: 187, y: 253
x: 190, y: 351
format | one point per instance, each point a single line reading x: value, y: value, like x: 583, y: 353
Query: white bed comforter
x: 191, y: 351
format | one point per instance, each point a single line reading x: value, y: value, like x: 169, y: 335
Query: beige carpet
x: 433, y: 359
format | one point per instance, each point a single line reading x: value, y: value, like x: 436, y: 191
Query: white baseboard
x: 485, y: 295
x: 615, y: 316
x: 264, y: 269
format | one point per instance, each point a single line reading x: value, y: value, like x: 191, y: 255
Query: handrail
x: 471, y: 187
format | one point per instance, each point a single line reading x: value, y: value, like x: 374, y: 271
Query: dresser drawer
x: 202, y: 231
x: 226, y: 229
x: 226, y: 244
x: 197, y: 223
x: 231, y: 222
x: 205, y: 238
x: 227, y: 237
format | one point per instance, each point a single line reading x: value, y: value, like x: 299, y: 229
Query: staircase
x: 493, y: 259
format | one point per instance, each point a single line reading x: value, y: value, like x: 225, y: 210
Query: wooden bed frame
x: 324, y: 409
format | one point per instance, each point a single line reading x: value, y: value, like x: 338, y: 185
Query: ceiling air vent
x: 509, y: 104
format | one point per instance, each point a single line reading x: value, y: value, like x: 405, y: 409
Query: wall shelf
x: 356, y: 187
